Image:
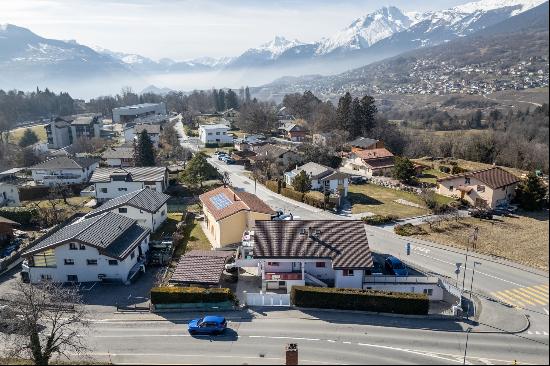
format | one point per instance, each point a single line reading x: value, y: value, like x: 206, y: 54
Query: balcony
x: 283, y: 276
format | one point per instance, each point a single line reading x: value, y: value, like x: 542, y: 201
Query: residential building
x: 132, y: 131
x: 63, y: 170
x: 293, y: 132
x: 202, y: 268
x: 322, y: 178
x: 275, y: 153
x: 6, y: 229
x: 130, y: 113
x: 85, y: 127
x: 110, y: 183
x: 9, y: 189
x: 490, y: 187
x: 365, y: 143
x: 147, y: 206
x: 228, y: 213
x: 215, y: 134
x: 58, y: 133
x: 371, y: 163
x: 119, y: 157
x: 322, y: 253
x: 107, y: 247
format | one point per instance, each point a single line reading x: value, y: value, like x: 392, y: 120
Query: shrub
x: 356, y: 299
x: 458, y: 170
x: 21, y: 215
x: 290, y: 193
x: 444, y: 169
x: 408, y: 230
x: 184, y: 295
x: 379, y: 219
x: 273, y: 185
x: 315, y: 199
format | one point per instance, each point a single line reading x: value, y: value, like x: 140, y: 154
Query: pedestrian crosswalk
x: 524, y: 296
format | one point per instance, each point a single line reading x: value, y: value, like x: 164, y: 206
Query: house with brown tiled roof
x: 490, y: 187
x: 319, y: 252
x: 228, y: 213
x: 371, y: 162
x: 201, y: 268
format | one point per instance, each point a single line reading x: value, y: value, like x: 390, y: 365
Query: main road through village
x: 259, y: 337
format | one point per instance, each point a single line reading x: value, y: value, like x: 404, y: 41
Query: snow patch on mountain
x: 277, y: 46
x: 488, y: 5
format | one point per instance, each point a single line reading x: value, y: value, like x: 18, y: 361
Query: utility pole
x: 472, y: 238
x: 466, y: 345
x: 472, y: 284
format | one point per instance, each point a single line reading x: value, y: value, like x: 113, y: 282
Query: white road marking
x: 546, y: 311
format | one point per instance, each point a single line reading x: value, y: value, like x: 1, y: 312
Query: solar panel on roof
x: 220, y: 201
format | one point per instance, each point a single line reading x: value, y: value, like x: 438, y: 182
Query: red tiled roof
x: 201, y: 267
x: 386, y: 162
x: 233, y: 202
x: 494, y: 177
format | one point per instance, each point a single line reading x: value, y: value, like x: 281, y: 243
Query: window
x: 122, y: 210
x: 92, y: 262
x: 82, y: 247
x: 72, y: 246
x: 480, y: 188
x: 103, y: 190
x: 320, y: 264
x: 69, y: 262
x: 46, y: 277
x: 347, y: 272
x: 162, y: 213
x: 282, y: 283
x: 72, y: 278
x: 122, y: 189
x: 273, y: 264
x: 113, y: 262
x: 428, y: 291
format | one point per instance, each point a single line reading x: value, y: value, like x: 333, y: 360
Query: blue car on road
x: 211, y: 325
x: 396, y: 267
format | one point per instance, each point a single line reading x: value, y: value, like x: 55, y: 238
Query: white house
x: 9, y: 191
x: 63, y: 170
x: 370, y: 163
x: 131, y: 132
x: 318, y: 252
x: 119, y: 156
x: 322, y: 178
x: 107, y: 247
x: 146, y: 206
x: 114, y: 182
x: 215, y: 134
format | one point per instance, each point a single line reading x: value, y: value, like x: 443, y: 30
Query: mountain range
x: 28, y: 58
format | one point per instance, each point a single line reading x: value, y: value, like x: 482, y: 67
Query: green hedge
x: 408, y: 230
x: 364, y: 300
x: 21, y: 215
x: 184, y: 295
x: 290, y: 193
x: 379, y: 219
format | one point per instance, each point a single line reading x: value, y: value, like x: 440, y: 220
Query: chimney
x: 292, y: 354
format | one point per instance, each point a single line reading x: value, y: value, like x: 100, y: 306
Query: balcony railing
x: 283, y: 276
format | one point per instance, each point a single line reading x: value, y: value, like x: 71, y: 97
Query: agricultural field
x: 16, y: 134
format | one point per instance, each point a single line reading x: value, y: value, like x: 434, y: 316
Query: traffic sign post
x: 408, y: 248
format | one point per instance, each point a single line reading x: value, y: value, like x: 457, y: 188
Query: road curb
x: 390, y: 315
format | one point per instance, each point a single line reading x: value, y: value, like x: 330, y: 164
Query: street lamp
x: 472, y: 238
x: 472, y: 284
x: 466, y: 346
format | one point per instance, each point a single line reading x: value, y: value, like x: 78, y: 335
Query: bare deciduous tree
x: 51, y: 322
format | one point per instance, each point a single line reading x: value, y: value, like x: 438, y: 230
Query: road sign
x: 408, y: 248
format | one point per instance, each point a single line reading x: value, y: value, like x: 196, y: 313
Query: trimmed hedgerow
x: 379, y: 219
x: 363, y: 300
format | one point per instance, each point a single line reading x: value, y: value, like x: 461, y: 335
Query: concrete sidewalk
x: 495, y: 317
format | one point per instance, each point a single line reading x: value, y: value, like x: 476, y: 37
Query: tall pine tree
x: 144, y: 150
x: 343, y: 113
x: 368, y: 111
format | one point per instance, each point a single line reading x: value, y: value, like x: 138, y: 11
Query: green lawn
x: 381, y: 201
x: 168, y: 227
x: 431, y: 176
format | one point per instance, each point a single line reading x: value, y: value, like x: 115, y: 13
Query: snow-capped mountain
x: 266, y: 53
x: 366, y: 31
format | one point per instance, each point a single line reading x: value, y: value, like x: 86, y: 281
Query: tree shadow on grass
x: 362, y: 199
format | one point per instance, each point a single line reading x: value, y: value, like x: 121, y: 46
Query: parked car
x: 211, y: 325
x: 480, y: 213
x: 223, y: 157
x: 358, y: 180
x: 220, y: 152
x: 229, y: 161
x: 396, y: 267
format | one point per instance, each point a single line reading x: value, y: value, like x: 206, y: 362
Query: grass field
x: 73, y: 203
x: 522, y: 238
x: 432, y: 175
x: 381, y: 201
x: 16, y: 134
x: 465, y: 164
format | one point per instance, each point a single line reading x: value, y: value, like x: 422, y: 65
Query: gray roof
x: 314, y: 170
x: 214, y: 127
x: 145, y: 199
x: 201, y: 267
x: 84, y: 120
x: 363, y: 142
x: 112, y: 234
x: 345, y: 242
x: 65, y: 162
x: 136, y: 174
x: 151, y: 129
x: 118, y: 153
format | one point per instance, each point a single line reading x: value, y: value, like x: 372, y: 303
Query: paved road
x: 321, y: 341
x: 521, y: 286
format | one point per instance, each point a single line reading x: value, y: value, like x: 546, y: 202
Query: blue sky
x: 185, y: 29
